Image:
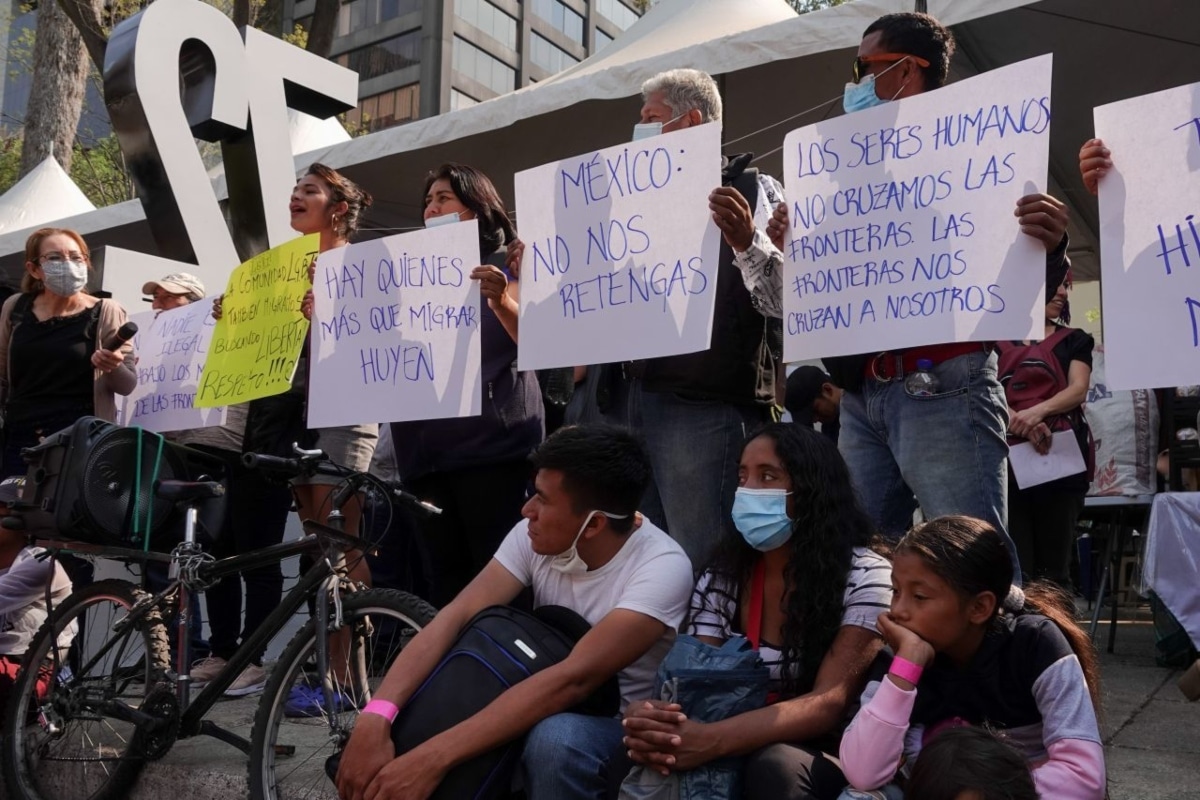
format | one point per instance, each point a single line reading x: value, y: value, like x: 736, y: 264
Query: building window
x: 390, y: 108
x: 489, y: 19
x: 461, y: 100
x: 561, y: 17
x: 483, y: 67
x: 617, y: 13
x: 547, y: 55
x: 383, y: 57
x: 603, y: 40
x: 356, y: 15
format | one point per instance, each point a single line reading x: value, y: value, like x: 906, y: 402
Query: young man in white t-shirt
x: 582, y: 545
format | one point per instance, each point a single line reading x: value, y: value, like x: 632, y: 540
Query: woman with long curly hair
x: 799, y: 540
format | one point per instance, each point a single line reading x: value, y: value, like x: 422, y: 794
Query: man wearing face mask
x: 695, y: 409
x: 582, y: 545
x: 886, y: 434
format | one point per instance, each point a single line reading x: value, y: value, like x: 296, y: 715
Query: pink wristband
x: 383, y: 708
x: 903, y: 668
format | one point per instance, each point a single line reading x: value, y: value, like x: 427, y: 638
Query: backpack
x: 500, y: 647
x: 1031, y: 374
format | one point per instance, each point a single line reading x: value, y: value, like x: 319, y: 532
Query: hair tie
x: 1014, y: 602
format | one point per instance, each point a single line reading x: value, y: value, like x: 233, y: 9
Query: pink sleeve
x: 874, y: 743
x: 1074, y: 771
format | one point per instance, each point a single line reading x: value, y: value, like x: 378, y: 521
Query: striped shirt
x: 714, y: 606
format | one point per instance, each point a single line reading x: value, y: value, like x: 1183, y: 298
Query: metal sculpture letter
x: 180, y: 69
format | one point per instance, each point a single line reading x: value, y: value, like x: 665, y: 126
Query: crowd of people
x: 680, y: 505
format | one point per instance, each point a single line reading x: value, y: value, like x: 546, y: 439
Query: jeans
x: 567, y: 756
x: 945, y: 453
x: 693, y: 446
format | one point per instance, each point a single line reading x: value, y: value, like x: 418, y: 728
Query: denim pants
x: 567, y: 756
x: 693, y: 446
x: 945, y: 453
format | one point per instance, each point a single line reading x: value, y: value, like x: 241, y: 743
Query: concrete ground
x: 1151, y: 733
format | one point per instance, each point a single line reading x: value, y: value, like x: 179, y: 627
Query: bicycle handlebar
x: 314, y: 462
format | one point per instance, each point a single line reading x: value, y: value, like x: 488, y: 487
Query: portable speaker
x: 87, y: 482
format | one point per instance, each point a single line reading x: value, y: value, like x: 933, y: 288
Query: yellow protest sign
x: 261, y: 333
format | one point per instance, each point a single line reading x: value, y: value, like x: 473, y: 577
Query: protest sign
x: 258, y: 340
x: 171, y: 347
x: 620, y: 251
x: 1150, y: 239
x: 396, y: 330
x: 902, y: 225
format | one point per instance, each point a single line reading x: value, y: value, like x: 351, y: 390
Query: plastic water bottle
x: 922, y: 383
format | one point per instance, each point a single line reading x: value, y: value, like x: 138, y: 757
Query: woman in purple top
x: 475, y: 468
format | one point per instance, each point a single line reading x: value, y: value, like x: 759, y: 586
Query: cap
x: 177, y: 283
x: 804, y: 386
x: 10, y: 489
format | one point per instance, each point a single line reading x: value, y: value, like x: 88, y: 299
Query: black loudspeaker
x: 94, y: 482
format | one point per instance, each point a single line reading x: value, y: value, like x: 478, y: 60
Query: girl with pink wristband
x: 972, y: 649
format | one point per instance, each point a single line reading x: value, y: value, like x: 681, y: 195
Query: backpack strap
x: 21, y: 307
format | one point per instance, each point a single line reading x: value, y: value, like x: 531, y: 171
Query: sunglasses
x: 862, y: 63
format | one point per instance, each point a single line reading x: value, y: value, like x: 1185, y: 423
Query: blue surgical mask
x: 644, y: 130
x: 760, y: 515
x: 444, y: 219
x: 861, y: 95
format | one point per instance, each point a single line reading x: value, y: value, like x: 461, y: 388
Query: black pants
x: 792, y: 772
x: 257, y: 513
x: 1041, y: 521
x: 479, y: 505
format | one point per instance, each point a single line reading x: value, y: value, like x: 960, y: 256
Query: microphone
x: 123, y: 335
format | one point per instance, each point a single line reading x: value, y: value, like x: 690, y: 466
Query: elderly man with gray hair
x: 694, y: 410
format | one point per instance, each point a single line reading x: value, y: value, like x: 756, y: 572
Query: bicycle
x: 97, y: 698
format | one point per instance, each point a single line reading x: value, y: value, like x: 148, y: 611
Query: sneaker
x: 309, y: 701
x: 206, y: 669
x: 251, y: 681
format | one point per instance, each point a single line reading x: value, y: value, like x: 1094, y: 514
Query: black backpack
x: 500, y: 647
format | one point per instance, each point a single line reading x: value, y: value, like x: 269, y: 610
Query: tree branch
x: 324, y: 22
x: 85, y: 14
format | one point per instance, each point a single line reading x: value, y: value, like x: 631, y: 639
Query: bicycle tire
x: 368, y: 614
x: 95, y: 756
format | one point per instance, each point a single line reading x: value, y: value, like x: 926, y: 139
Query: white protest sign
x: 171, y: 347
x: 1150, y: 239
x: 620, y: 251
x: 902, y: 225
x: 395, y: 333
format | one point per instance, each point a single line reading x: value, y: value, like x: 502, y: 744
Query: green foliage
x: 804, y: 6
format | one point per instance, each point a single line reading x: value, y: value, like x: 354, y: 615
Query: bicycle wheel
x: 288, y: 753
x: 63, y: 735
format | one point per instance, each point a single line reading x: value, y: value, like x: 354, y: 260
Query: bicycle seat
x: 186, y: 491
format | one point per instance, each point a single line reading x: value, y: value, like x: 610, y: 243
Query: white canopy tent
x: 771, y: 65
x: 44, y: 195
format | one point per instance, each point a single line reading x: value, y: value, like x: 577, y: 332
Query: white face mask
x: 444, y: 219
x: 644, y: 130
x: 63, y: 277
x: 568, y: 561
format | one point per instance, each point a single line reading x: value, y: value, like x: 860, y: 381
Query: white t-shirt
x: 650, y: 574
x: 23, y: 600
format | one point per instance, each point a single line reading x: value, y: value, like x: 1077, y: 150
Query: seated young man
x: 582, y: 545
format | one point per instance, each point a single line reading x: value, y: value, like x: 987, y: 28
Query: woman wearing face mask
x: 475, y: 468
x: 54, y: 366
x: 794, y: 576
